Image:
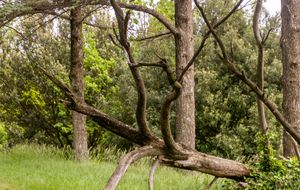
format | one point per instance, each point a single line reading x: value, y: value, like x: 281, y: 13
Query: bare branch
x: 97, y: 26
x: 246, y: 4
x: 126, y: 161
x: 152, y: 12
x: 211, y: 183
x: 90, y: 12
x: 114, y: 42
x: 142, y: 99
x: 153, y: 37
x: 63, y: 87
x: 101, y: 118
x: 212, y: 30
x: 20, y: 33
x: 120, y: 18
x: 190, y: 63
x: 256, y: 23
x: 148, y: 64
x: 151, y: 174
x: 172, y: 147
x: 266, y: 38
x: 194, y: 161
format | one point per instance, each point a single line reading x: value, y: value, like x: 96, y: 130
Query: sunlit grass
x: 40, y: 167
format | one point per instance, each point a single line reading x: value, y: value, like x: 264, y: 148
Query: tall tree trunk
x: 185, y: 104
x: 77, y: 84
x: 290, y: 44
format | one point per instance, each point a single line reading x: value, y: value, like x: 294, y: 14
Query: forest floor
x: 44, y: 168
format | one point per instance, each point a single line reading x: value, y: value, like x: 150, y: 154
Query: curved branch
x: 126, y: 161
x: 256, y: 32
x: 154, y: 13
x: 151, y: 174
x: 139, y: 82
x: 172, y: 147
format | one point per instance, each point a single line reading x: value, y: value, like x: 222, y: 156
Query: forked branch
x: 172, y: 147
x: 124, y: 44
x: 190, y: 63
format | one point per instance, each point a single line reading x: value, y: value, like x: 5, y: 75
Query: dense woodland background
x: 226, y: 114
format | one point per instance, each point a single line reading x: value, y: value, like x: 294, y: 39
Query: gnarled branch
x: 101, y: 118
x: 142, y: 99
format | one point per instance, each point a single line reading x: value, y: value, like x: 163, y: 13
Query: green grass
x: 40, y: 167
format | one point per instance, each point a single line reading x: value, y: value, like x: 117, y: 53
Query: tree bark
x: 290, y: 44
x: 77, y: 84
x: 185, y: 104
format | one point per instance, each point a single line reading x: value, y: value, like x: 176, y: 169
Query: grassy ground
x: 44, y: 168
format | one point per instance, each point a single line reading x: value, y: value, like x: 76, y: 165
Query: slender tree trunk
x: 77, y: 84
x: 185, y: 104
x: 260, y: 71
x: 290, y: 44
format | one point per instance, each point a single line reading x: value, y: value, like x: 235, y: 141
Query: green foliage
x: 226, y: 113
x: 278, y: 174
x: 31, y: 96
x: 96, y: 69
x: 3, y: 135
x: 268, y: 171
x: 271, y: 172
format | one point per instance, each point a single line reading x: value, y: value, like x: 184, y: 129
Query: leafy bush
x: 271, y: 172
x: 280, y: 174
x: 268, y: 171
